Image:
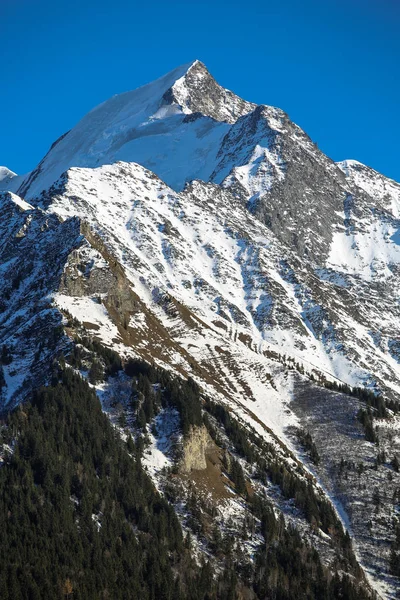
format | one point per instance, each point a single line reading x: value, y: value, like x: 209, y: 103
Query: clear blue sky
x: 333, y: 65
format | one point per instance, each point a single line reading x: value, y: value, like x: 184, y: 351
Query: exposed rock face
x: 91, y: 270
x: 270, y: 163
x: 195, y: 446
x: 346, y: 461
x: 86, y: 274
x: 198, y: 92
x: 33, y: 250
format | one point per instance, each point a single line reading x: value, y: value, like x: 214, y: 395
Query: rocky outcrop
x: 92, y: 270
x: 195, y: 448
x: 83, y: 277
x: 198, y: 92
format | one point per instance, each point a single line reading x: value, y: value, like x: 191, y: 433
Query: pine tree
x: 96, y: 372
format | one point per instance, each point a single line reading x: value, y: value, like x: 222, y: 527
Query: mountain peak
x: 198, y: 92
x: 347, y: 165
x: 9, y: 181
x: 6, y: 173
x: 125, y: 126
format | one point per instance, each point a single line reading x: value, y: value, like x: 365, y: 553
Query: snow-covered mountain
x: 9, y: 181
x: 173, y: 126
x: 184, y: 225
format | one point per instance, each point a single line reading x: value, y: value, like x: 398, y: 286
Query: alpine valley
x: 200, y: 359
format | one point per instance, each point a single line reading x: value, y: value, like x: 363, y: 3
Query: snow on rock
x: 9, y: 181
x: 384, y: 191
x: 197, y: 91
x: 369, y: 252
x: 20, y: 202
x: 6, y: 174
x: 171, y: 115
x: 94, y: 314
x: 202, y: 249
x: 250, y: 150
x: 164, y: 435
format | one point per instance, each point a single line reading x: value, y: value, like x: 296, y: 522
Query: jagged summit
x: 197, y: 91
x: 173, y: 126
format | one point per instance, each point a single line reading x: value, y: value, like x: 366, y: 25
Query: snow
x: 97, y: 520
x: 14, y: 376
x: 6, y: 174
x: 367, y: 251
x: 20, y: 202
x: 383, y: 190
x: 9, y: 181
x: 225, y: 106
x: 105, y: 130
x: 178, y: 151
x: 132, y: 225
x: 158, y: 454
x: 191, y: 246
x: 259, y: 174
x: 87, y: 309
x: 250, y: 155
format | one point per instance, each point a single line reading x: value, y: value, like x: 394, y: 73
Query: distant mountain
x: 209, y: 237
x: 9, y: 181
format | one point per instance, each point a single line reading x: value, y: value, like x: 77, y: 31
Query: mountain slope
x: 384, y: 191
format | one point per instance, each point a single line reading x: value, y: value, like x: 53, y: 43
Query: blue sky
x: 333, y: 65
